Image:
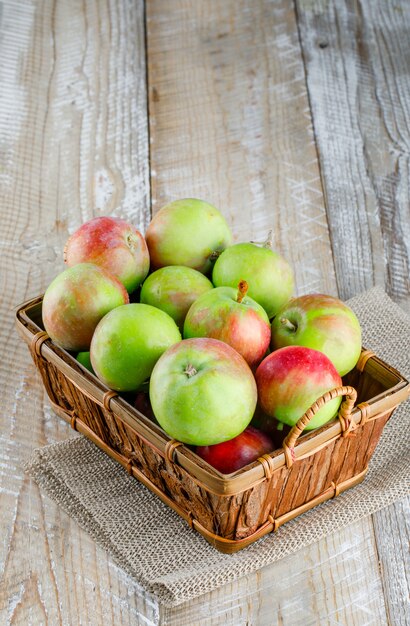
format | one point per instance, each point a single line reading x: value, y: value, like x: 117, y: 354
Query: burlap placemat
x: 150, y: 542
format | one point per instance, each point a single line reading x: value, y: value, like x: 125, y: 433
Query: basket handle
x: 344, y: 416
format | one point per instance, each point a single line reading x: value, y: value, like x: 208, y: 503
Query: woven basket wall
x: 230, y: 511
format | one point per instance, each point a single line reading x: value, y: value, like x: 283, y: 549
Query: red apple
x: 187, y: 232
x: 277, y: 431
x: 229, y: 456
x: 291, y: 379
x: 113, y: 244
x: 323, y: 323
x: 231, y: 316
x: 143, y: 405
x: 76, y: 301
x: 202, y: 392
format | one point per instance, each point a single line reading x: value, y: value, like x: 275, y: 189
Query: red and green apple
x: 75, y: 302
x: 115, y: 245
x: 291, y: 379
x: 231, y: 316
x: 229, y: 456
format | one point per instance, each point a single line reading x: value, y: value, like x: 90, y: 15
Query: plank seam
x: 380, y: 567
x: 147, y: 95
x: 319, y: 162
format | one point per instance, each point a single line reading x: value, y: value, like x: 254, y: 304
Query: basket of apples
x: 187, y: 359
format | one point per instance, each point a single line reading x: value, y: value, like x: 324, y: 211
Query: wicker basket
x: 230, y: 511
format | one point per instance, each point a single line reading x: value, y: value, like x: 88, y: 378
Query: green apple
x: 187, y: 232
x: 202, y: 392
x: 84, y: 359
x: 323, y: 323
x: 128, y: 342
x: 269, y: 276
x: 173, y: 289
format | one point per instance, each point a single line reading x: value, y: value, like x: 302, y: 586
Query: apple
x: 84, y: 359
x: 187, y: 232
x: 231, y: 316
x: 76, y: 300
x: 202, y: 392
x: 277, y: 431
x: 265, y: 423
x: 291, y: 379
x: 113, y: 244
x: 173, y: 289
x: 323, y: 323
x: 269, y: 276
x: 128, y: 342
x: 229, y: 456
x: 143, y: 405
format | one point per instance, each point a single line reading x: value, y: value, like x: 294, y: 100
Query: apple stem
x: 190, y: 370
x: 214, y: 255
x: 242, y: 290
x: 288, y: 324
x: 131, y: 242
x: 268, y: 243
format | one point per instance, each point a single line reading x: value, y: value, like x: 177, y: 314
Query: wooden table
x: 291, y: 117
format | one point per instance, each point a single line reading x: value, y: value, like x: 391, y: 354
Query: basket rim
x: 200, y: 471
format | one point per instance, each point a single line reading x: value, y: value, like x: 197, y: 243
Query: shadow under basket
x: 230, y: 511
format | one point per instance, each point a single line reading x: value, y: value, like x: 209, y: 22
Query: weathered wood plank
x: 392, y: 531
x: 73, y: 126
x: 357, y: 57
x: 325, y: 584
x: 230, y: 123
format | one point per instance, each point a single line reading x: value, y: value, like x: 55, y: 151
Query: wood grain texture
x: 357, y: 57
x: 73, y: 132
x: 230, y: 123
x: 325, y: 584
x: 392, y: 530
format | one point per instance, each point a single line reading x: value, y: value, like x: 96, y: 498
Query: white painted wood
x: 73, y: 135
x: 392, y: 531
x: 356, y: 56
x: 336, y: 581
x: 230, y: 123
